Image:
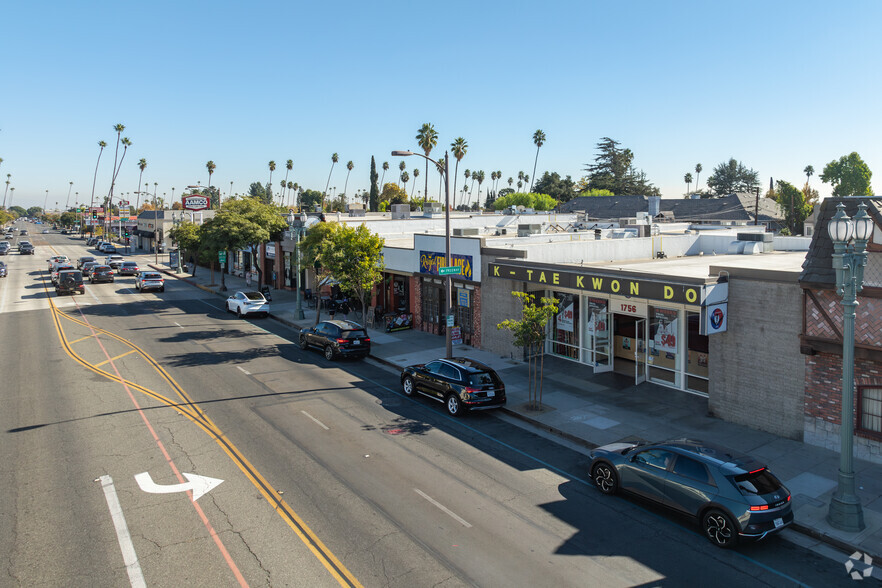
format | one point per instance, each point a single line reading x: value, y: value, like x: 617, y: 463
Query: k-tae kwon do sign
x: 195, y: 202
x: 588, y: 282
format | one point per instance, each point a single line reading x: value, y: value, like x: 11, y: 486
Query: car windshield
x: 255, y: 296
x: 481, y: 379
x: 356, y: 334
x: 757, y: 482
x: 151, y: 277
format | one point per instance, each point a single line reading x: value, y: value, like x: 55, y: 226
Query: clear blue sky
x: 777, y: 85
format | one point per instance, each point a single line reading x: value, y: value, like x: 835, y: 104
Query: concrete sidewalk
x: 591, y: 410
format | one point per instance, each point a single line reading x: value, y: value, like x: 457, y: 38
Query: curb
x: 834, y: 542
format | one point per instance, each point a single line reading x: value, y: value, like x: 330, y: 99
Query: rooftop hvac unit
x: 465, y: 231
x: 400, y: 211
x: 526, y: 229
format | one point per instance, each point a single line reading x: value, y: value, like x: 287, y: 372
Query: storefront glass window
x: 565, y: 326
x: 596, y: 333
x: 697, y: 358
x: 664, y: 345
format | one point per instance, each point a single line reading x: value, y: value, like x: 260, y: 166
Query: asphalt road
x: 329, y: 475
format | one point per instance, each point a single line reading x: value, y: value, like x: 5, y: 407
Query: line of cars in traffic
x: 68, y: 278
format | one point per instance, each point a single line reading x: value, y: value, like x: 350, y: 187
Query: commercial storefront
x: 653, y: 328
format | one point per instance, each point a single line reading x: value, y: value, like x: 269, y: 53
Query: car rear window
x: 256, y: 296
x: 481, y: 379
x: 151, y: 277
x: 130, y: 264
x: 355, y: 334
x: 757, y: 482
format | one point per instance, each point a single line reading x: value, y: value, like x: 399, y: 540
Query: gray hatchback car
x: 733, y: 496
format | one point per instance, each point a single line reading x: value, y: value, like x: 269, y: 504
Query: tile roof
x: 734, y: 207
x: 817, y: 270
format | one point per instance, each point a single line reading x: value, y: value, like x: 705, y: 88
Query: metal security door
x: 640, y: 351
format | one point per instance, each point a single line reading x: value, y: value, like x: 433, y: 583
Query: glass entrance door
x: 640, y: 351
x: 602, y: 351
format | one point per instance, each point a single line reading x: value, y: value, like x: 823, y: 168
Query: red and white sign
x: 196, y: 202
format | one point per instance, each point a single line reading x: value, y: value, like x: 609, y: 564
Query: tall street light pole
x: 849, y: 259
x: 297, y: 225
x: 448, y: 343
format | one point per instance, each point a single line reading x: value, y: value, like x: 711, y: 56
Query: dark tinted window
x: 433, y: 367
x: 761, y: 482
x: 691, y: 469
x: 655, y: 457
x: 481, y: 379
x: 358, y: 334
x: 448, y: 371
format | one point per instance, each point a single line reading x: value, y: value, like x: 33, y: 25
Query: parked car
x: 87, y: 268
x: 25, y: 248
x: 150, y: 281
x: 3, y: 269
x: 45, y: 231
x: 114, y: 261
x: 128, y: 268
x: 109, y: 249
x: 91, y: 241
x: 733, y: 496
x: 337, y: 338
x: 5, y: 247
x: 462, y: 384
x: 69, y: 282
x: 61, y: 267
x: 84, y: 259
x: 244, y: 303
x: 23, y: 232
x: 101, y: 273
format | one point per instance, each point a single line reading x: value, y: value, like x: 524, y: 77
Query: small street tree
x: 249, y: 222
x: 529, y: 333
x: 186, y: 236
x: 318, y: 237
x: 354, y: 257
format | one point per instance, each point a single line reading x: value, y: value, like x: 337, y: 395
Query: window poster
x: 596, y: 315
x: 565, y: 318
x: 665, y: 338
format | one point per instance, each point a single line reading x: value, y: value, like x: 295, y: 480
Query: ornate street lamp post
x: 448, y: 343
x: 297, y: 226
x: 849, y: 259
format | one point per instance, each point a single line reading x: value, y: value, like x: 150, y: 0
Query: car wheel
x: 454, y: 407
x: 329, y: 353
x: 605, y: 478
x: 719, y: 528
x: 162, y: 289
x: 303, y: 344
x: 407, y: 386
x: 239, y: 312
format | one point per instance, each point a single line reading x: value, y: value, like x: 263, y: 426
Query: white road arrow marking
x: 200, y: 485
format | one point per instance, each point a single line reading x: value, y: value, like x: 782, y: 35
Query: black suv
x: 25, y: 248
x: 460, y: 383
x: 70, y: 282
x: 101, y: 273
x: 337, y: 338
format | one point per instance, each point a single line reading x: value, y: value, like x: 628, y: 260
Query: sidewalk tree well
x: 354, y: 257
x: 529, y: 333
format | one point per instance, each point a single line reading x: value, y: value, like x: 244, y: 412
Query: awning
x: 148, y: 234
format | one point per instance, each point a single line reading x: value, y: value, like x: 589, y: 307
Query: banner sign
x: 431, y: 261
x: 195, y: 202
x: 592, y: 282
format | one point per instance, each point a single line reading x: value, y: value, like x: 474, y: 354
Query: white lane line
x: 92, y: 294
x: 455, y: 516
x: 318, y: 422
x: 130, y: 558
x: 179, y: 324
x: 243, y: 370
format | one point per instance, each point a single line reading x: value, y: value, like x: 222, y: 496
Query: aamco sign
x: 195, y: 202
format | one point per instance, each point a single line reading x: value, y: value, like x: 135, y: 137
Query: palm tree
x: 290, y: 187
x: 67, y: 202
x: 6, y: 190
x: 539, y: 141
x: 510, y: 181
x: 459, y: 148
x: 401, y: 167
x: 416, y: 173
x: 349, y: 166
x: 809, y: 171
x: 289, y: 165
x: 480, y: 181
x: 520, y: 184
x: 472, y: 189
x: 210, y: 166
x: 142, y: 164
x: 492, y: 178
x: 526, y: 179
x: 427, y: 138
x: 405, y: 178
x: 521, y: 180
x: 385, y: 168
x: 698, y: 169
x: 334, y: 159
x: 119, y: 128
x: 440, y: 167
x: 688, y: 179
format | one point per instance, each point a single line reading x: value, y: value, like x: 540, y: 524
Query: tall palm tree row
x: 126, y: 143
x: 539, y: 141
x: 401, y: 166
x: 210, y: 166
x: 698, y: 169
x: 427, y: 138
x: 349, y: 166
x: 480, y: 181
x: 272, y: 168
x: 288, y: 194
x: 334, y: 159
x: 289, y: 165
x: 688, y: 179
x: 459, y: 148
x: 385, y: 168
x: 405, y: 178
x: 142, y: 165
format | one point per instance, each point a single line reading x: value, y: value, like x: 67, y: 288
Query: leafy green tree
x: 530, y: 333
x: 849, y: 176
x: 309, y: 199
x: 793, y: 206
x: 374, y: 199
x: 531, y: 200
x: 68, y: 219
x: 318, y: 237
x: 6, y: 216
x: 427, y: 138
x: 732, y: 176
x: 539, y: 141
x: 613, y: 170
x: 392, y: 194
x: 256, y: 190
x: 188, y: 240
x: 250, y: 222
x: 552, y: 184
x: 214, y: 238
x: 34, y: 211
x: 18, y: 211
x: 354, y: 257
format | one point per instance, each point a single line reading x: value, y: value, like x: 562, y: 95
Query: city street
x: 154, y: 439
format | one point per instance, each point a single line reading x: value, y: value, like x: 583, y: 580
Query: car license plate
x: 491, y: 393
x: 356, y: 342
x: 779, y: 522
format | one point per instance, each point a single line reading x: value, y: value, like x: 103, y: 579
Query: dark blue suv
x: 734, y: 496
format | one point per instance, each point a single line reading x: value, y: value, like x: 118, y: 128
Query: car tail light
x: 761, y: 507
x: 756, y: 471
x: 471, y: 390
x: 341, y: 341
x: 367, y: 339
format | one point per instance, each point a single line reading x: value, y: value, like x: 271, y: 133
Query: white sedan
x: 245, y: 303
